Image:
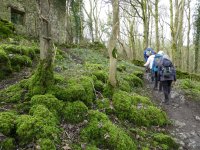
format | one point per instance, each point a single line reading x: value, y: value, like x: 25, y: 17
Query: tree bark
x: 156, y: 24
x: 112, y: 43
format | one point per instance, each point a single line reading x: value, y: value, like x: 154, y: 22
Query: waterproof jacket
x: 168, y: 63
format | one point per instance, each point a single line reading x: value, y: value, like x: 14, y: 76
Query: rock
x: 183, y: 136
x: 179, y: 124
x: 197, y: 118
x: 58, y: 69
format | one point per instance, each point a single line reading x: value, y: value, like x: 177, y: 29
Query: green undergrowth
x: 6, y: 29
x: 80, y: 97
x: 191, y: 88
x: 15, y: 57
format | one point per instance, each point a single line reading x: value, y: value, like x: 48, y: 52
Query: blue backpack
x: 156, y: 62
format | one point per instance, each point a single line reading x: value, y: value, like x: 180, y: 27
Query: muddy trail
x: 184, y: 114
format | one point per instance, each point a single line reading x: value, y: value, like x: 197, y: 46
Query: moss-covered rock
x: 108, y: 90
x: 139, y: 74
x: 30, y: 128
x: 121, y: 68
x: 166, y: 141
x: 103, y: 133
x: 101, y: 75
x: 138, y: 63
x: 6, y: 28
x: 14, y: 93
x: 98, y: 85
x: 134, y: 81
x: 7, y: 122
x: 46, y: 144
x: 124, y: 85
x: 5, y: 65
x: 103, y: 104
x: 8, y: 144
x: 75, y: 112
x: 52, y: 103
x: 138, y: 110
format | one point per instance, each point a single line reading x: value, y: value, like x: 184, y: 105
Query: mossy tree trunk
x: 43, y: 77
x: 112, y: 44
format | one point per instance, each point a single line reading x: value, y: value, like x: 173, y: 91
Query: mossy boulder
x: 50, y: 101
x: 134, y: 81
x: 75, y: 112
x: 5, y: 65
x: 121, y: 68
x: 99, y: 85
x: 6, y: 28
x: 7, y: 122
x: 166, y: 141
x: 8, y: 144
x: 124, y: 85
x: 94, y: 67
x: 101, y: 132
x: 103, y: 104
x: 137, y: 110
x: 138, y: 63
x: 139, y: 74
x: 31, y: 128
x: 101, y: 75
x: 20, y: 60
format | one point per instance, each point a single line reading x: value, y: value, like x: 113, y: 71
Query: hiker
x: 147, y: 52
x: 149, y: 64
x: 156, y: 63
x: 166, y: 74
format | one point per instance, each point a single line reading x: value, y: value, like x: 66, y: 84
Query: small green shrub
x: 103, y: 133
x: 75, y: 112
x: 7, y: 122
x: 7, y: 144
x: 46, y: 144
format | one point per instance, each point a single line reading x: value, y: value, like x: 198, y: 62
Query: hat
x: 161, y: 52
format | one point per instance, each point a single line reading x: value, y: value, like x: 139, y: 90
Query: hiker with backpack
x: 166, y: 74
x: 156, y: 63
x: 149, y: 64
x: 147, y: 52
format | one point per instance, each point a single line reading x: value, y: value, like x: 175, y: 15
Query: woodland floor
x: 184, y: 114
x: 182, y: 111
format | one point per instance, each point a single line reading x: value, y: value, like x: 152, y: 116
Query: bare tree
x: 112, y: 43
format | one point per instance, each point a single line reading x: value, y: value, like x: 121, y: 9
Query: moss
x: 42, y: 79
x: 7, y: 144
x: 103, y: 133
x: 20, y: 60
x: 94, y: 67
x: 5, y: 65
x: 18, y: 49
x: 136, y: 109
x: 46, y: 144
x: 6, y: 28
x: 166, y: 141
x: 103, y: 104
x: 30, y: 128
x: 121, y: 68
x: 52, y: 103
x: 134, y: 81
x: 138, y: 63
x: 43, y: 112
x: 124, y: 85
x: 14, y: 93
x: 108, y: 90
x: 7, y: 122
x: 101, y: 75
x: 139, y: 74
x: 75, y: 112
x: 98, y: 85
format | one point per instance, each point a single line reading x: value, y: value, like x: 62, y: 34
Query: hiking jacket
x: 150, y: 61
x: 166, y: 62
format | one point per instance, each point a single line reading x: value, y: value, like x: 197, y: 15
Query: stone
x: 197, y: 118
x: 179, y: 124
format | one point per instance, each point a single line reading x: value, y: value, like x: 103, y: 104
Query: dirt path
x: 185, y: 115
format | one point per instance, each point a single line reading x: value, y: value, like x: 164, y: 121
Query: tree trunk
x: 188, y: 36
x: 43, y: 77
x: 156, y: 24
x: 112, y: 43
